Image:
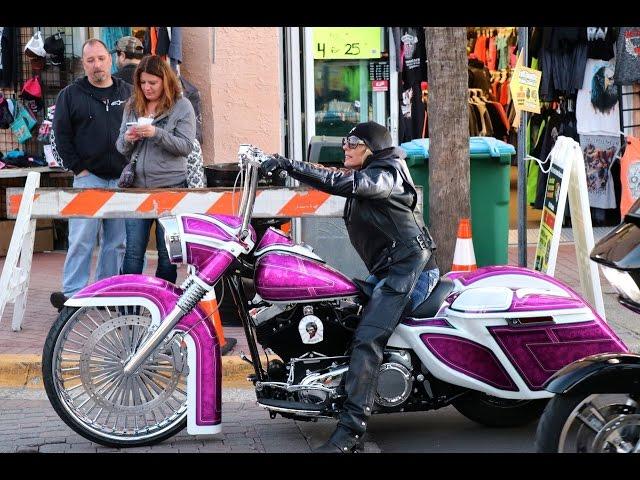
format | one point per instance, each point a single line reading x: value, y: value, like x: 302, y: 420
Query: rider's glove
x: 275, y: 162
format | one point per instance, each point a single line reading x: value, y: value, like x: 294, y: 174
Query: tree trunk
x: 449, y: 194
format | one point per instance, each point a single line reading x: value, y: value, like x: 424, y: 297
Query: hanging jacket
x: 8, y: 58
x: 87, y: 129
x: 380, y: 211
x: 193, y: 95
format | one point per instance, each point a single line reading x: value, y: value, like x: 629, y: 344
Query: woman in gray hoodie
x: 157, y: 132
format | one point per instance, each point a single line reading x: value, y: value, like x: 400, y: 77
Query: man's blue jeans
x: 83, y: 234
x: 138, y: 231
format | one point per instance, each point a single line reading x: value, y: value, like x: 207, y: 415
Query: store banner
x: 343, y: 43
x: 568, y: 179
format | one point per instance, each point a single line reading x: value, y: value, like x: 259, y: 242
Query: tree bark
x: 449, y: 178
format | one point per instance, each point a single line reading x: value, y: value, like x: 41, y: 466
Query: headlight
x: 622, y: 282
x: 172, y: 238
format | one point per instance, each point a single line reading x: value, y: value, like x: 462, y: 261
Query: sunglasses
x: 352, y: 142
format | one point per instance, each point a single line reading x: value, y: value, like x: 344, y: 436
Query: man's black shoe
x: 228, y: 346
x: 57, y: 300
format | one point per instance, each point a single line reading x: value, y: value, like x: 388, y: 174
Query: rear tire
x: 498, y: 412
x: 70, y: 387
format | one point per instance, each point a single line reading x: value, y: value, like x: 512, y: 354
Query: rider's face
x: 355, y: 157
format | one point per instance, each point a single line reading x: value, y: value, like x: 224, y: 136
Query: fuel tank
x: 289, y: 272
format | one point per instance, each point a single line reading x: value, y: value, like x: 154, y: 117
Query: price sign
x: 378, y: 71
x: 331, y: 43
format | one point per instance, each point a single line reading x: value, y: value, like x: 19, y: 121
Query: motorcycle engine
x: 395, y: 380
x: 325, y: 328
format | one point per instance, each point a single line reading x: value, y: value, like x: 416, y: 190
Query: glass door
x: 347, y: 79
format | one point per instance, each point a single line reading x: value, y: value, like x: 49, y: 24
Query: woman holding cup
x: 157, y: 132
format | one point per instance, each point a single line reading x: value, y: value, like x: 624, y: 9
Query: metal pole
x: 523, y: 43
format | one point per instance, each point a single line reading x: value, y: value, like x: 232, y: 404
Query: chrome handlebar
x: 249, y: 160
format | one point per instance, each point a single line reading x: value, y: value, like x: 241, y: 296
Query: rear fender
x: 203, y: 346
x: 604, y: 373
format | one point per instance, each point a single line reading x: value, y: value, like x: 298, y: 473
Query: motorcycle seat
x: 430, y: 306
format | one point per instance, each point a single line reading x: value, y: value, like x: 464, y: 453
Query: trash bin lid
x: 414, y: 152
x: 478, y: 147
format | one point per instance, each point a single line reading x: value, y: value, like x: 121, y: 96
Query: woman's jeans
x: 138, y: 232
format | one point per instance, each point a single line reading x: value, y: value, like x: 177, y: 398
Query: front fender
x: 204, y: 380
x: 603, y: 373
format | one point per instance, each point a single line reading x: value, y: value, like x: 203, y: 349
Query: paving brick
x: 54, y: 448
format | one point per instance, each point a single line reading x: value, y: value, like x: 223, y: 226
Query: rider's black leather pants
x: 379, y: 319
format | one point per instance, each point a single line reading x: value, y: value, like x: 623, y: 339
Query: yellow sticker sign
x: 331, y: 43
x: 525, y: 83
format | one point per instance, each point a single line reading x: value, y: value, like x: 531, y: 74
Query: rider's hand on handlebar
x: 275, y: 162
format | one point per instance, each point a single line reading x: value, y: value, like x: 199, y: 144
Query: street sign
x: 567, y: 177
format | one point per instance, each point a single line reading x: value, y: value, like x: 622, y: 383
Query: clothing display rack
x: 53, y: 79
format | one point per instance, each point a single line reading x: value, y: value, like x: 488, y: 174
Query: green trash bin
x: 490, y: 183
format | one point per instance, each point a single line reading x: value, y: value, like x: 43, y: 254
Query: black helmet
x: 375, y: 136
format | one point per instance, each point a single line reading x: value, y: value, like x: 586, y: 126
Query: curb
x: 26, y: 371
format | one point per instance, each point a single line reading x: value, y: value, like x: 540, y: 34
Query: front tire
x: 82, y: 369
x: 498, y: 412
x: 587, y: 423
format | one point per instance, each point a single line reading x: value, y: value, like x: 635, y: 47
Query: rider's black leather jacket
x: 380, y: 211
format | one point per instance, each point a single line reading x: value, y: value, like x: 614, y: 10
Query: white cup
x: 144, y: 121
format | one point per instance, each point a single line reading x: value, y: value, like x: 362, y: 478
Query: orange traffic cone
x: 209, y: 305
x: 464, y: 260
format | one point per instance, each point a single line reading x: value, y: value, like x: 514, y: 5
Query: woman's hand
x: 131, y: 135
x: 145, y: 131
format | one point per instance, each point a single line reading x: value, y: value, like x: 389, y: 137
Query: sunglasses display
x: 352, y: 142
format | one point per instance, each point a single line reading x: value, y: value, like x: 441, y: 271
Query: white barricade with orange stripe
x: 99, y: 203
x: 32, y: 203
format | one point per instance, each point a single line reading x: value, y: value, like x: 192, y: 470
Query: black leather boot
x: 342, y: 441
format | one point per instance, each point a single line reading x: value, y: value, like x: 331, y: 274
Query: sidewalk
x: 20, y: 352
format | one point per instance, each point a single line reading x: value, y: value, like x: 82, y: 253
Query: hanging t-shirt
x: 600, y: 43
x: 492, y: 54
x: 597, y: 103
x: 413, y: 55
x: 628, y: 56
x: 630, y: 175
x: 599, y: 152
x: 503, y: 52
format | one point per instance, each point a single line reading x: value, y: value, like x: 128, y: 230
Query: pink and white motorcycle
x: 132, y: 359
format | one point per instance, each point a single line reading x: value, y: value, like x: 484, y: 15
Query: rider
x: 393, y: 242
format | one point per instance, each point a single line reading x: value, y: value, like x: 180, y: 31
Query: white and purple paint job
x: 284, y: 276
x: 543, y: 326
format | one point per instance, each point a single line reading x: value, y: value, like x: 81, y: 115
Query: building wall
x: 238, y: 74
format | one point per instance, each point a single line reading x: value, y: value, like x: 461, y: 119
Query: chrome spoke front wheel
x: 89, y: 378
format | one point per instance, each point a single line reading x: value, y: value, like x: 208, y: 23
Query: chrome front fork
x: 193, y: 293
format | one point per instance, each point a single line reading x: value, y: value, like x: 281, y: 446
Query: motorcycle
x: 596, y: 407
x: 132, y: 359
